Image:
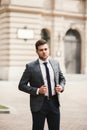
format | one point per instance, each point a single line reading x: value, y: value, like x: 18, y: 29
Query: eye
x: 40, y: 50
x: 45, y: 49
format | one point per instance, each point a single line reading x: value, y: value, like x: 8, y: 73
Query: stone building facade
x: 63, y: 23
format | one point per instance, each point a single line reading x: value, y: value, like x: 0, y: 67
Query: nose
x: 44, y: 51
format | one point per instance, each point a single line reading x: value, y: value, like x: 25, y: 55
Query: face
x: 43, y: 52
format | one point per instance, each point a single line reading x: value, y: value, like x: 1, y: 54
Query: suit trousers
x: 50, y: 111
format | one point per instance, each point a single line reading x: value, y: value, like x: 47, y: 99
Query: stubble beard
x: 43, y: 58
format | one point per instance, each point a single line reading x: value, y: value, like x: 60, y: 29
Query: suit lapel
x: 38, y: 69
x: 54, y: 69
x: 53, y: 65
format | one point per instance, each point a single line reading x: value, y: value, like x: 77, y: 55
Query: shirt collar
x: 41, y: 61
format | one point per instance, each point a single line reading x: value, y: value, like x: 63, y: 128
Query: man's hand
x: 43, y: 89
x: 58, y: 88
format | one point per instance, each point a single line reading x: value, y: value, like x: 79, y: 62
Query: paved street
x: 73, y: 106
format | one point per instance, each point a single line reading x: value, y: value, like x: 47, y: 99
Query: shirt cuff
x: 37, y: 92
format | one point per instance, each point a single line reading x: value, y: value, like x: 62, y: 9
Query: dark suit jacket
x: 32, y: 79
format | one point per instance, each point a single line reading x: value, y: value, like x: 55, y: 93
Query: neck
x: 43, y: 59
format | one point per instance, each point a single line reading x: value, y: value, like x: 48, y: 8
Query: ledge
x: 4, y: 110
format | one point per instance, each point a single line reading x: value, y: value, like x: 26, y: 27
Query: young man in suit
x: 44, y: 81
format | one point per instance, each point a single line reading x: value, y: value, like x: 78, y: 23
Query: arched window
x: 45, y: 35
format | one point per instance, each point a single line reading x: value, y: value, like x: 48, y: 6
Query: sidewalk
x: 73, y: 107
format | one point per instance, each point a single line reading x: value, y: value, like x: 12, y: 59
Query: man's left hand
x: 58, y: 88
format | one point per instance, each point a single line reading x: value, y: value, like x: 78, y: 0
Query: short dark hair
x: 40, y: 42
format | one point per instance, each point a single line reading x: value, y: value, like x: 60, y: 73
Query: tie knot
x: 45, y: 63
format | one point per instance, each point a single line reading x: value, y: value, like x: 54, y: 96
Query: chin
x: 44, y: 58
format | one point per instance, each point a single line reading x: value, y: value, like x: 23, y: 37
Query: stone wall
x: 57, y: 16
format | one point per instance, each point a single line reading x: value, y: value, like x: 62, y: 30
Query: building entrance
x: 72, y: 49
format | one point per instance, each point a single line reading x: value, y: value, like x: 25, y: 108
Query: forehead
x: 43, y: 46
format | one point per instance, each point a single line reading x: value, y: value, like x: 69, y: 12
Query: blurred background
x: 63, y: 23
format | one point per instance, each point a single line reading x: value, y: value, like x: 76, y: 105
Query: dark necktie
x: 48, y: 79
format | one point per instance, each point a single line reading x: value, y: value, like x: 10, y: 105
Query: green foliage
x: 3, y: 107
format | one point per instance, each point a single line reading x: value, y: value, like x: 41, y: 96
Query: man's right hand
x: 43, y: 89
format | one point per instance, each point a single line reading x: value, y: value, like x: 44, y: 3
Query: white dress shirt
x: 43, y: 70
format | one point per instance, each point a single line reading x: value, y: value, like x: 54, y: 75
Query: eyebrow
x: 43, y: 49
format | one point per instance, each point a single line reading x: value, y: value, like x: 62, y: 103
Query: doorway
x: 72, y: 50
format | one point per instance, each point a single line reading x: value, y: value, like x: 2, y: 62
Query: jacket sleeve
x: 24, y: 82
x: 62, y: 80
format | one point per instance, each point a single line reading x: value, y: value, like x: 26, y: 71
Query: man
x: 43, y: 80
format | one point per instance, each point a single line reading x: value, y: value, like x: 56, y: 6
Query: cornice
x: 42, y: 11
